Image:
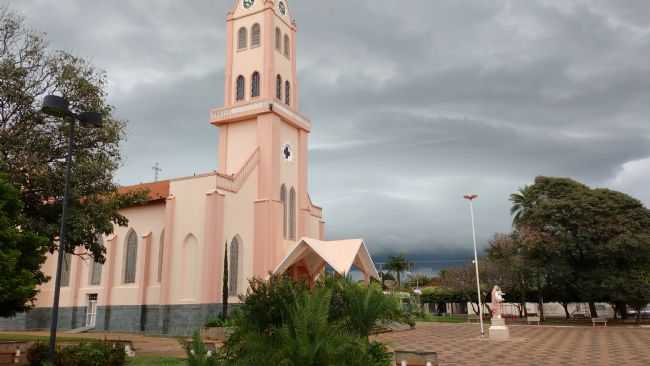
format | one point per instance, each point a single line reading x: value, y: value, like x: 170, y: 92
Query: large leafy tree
x: 33, y: 146
x: 599, y: 238
x: 21, y: 255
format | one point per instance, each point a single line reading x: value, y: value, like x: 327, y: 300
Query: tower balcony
x: 240, y: 112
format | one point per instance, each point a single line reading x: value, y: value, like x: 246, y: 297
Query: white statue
x: 497, y: 300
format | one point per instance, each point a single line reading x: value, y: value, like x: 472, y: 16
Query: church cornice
x: 222, y: 116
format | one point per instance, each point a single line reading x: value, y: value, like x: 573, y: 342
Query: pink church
x: 163, y: 273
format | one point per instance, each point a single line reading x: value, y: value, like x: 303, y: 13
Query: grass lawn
x: 156, y: 361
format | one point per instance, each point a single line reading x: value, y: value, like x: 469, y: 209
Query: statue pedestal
x: 499, y: 330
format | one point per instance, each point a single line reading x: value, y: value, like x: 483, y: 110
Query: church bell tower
x: 260, y: 122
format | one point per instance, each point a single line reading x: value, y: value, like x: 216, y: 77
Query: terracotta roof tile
x: 157, y: 190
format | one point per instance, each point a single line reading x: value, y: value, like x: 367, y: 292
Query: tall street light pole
x: 471, y: 198
x: 56, y: 106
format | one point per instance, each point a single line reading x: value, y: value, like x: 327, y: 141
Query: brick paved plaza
x: 459, y: 344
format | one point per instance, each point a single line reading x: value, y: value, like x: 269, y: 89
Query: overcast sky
x: 413, y: 103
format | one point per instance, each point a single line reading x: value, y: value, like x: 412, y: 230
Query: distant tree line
x: 570, y: 243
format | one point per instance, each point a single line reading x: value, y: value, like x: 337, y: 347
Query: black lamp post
x: 59, y: 107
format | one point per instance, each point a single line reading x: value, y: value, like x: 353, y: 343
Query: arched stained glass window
x: 96, y: 267
x: 292, y: 214
x: 242, y: 38
x: 256, y: 35
x: 278, y: 39
x: 278, y: 87
x: 287, y: 92
x: 161, y: 255
x: 283, y: 200
x: 130, y: 257
x: 255, y: 85
x: 241, y: 86
x: 65, y: 271
x: 287, y: 45
x: 233, y: 267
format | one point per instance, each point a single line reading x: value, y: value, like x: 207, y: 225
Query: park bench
x: 579, y: 316
x: 408, y: 358
x: 472, y: 317
x: 595, y: 321
x: 534, y: 319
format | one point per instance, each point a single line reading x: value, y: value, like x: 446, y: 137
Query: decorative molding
x: 233, y: 183
x: 236, y: 113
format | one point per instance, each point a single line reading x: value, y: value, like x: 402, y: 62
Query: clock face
x: 283, y: 8
x: 248, y: 3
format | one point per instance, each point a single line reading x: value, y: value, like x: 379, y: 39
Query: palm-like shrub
x: 198, y: 354
x: 285, y: 323
x: 367, y: 307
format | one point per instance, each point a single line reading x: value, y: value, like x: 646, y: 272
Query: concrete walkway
x: 460, y: 344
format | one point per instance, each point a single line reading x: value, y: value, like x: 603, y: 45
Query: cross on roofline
x: 156, y: 170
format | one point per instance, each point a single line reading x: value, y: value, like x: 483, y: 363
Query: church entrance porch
x: 310, y: 257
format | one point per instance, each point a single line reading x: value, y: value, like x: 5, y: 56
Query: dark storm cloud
x: 413, y: 103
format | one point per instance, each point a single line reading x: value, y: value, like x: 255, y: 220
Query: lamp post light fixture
x: 471, y: 198
x: 57, y: 106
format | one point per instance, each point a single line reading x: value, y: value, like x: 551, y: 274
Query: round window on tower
x: 287, y: 152
x: 248, y: 3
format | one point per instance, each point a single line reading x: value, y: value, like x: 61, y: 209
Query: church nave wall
x: 239, y: 221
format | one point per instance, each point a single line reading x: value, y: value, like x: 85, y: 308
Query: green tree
x: 33, y: 145
x: 508, y: 254
x: 398, y: 264
x: 522, y: 200
x: 21, y: 255
x: 599, y: 238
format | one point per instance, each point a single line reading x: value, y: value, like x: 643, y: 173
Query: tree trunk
x: 520, y: 310
x: 475, y: 309
x: 565, y: 305
x: 622, y: 309
x: 592, y: 310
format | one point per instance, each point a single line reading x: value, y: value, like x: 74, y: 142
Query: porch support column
x: 76, y: 267
x: 213, y: 248
x: 267, y: 241
x: 304, y: 205
x: 168, y: 254
x: 165, y: 285
x: 144, y: 258
x: 108, y: 275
